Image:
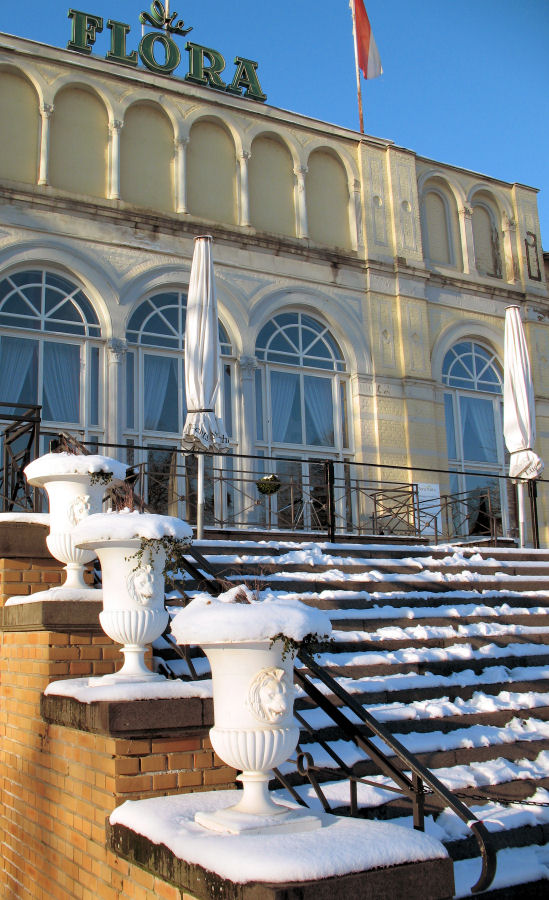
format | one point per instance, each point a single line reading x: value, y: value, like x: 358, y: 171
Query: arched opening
x: 20, y: 129
x: 211, y: 173
x: 486, y: 237
x: 147, y: 158
x: 271, y: 185
x: 327, y: 193
x: 79, y: 143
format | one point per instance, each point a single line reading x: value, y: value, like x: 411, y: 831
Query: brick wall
x: 20, y: 577
x: 59, y: 783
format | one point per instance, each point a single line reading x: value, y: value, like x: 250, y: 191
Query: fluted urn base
x: 279, y: 820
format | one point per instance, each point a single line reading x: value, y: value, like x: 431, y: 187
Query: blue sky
x: 464, y: 83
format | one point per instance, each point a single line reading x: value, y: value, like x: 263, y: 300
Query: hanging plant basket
x: 268, y: 484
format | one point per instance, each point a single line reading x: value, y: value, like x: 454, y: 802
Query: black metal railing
x: 326, y: 497
x: 411, y: 779
x: 19, y: 437
x: 329, y: 497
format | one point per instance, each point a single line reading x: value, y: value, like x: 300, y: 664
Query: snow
x: 413, y: 655
x: 33, y: 518
x: 92, y: 690
x: 431, y: 742
x: 411, y: 681
x: 52, y: 464
x: 341, y: 846
x: 426, y: 710
x: 128, y: 525
x: 518, y: 865
x: 475, y: 775
x: 208, y: 620
x: 57, y: 593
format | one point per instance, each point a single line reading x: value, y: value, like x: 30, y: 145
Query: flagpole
x: 358, y: 84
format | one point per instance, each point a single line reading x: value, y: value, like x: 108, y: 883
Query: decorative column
x: 46, y: 112
x: 115, y: 128
x: 114, y: 422
x: 467, y: 240
x: 356, y: 216
x: 512, y: 272
x: 244, y: 189
x: 301, y: 201
x: 247, y: 366
x: 181, y: 175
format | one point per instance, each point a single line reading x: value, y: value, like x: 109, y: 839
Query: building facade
x: 361, y: 288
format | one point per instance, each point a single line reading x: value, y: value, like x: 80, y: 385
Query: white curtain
x: 479, y: 435
x: 61, y: 401
x: 284, y: 397
x: 319, y: 411
x: 156, y: 381
x: 17, y: 356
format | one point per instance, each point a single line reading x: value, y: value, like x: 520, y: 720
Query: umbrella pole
x: 522, y: 512
x: 200, y: 499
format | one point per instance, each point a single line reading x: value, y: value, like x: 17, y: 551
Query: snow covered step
x: 441, y: 714
x: 522, y: 617
x: 407, y: 687
x: 431, y: 758
x: 342, y: 600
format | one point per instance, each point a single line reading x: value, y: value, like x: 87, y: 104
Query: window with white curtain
x: 301, y: 390
x: 50, y: 350
x: 155, y: 370
x: 473, y: 412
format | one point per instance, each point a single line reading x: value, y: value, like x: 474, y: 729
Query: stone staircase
x: 448, y: 647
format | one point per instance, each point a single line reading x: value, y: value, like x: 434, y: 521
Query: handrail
x: 420, y: 774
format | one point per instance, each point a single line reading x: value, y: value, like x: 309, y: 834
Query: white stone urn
x: 132, y: 548
x: 253, y: 694
x: 75, y: 485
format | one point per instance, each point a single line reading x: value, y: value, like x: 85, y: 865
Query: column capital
x: 117, y: 349
x: 46, y: 110
x: 248, y: 365
x: 301, y: 170
x: 115, y: 125
x: 466, y: 212
x: 181, y: 141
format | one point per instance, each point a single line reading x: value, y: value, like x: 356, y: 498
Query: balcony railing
x: 290, y: 495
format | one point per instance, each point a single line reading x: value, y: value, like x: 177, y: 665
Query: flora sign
x: 160, y: 54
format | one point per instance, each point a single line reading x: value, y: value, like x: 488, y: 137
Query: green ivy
x: 100, y: 477
x: 174, y: 548
x: 312, y: 643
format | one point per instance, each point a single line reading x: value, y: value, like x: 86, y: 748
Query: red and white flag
x: 367, y: 53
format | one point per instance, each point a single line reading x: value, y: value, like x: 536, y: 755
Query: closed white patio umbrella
x: 519, y: 417
x: 203, y: 430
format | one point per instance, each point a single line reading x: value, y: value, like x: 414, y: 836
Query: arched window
x: 473, y: 379
x: 155, y: 376
x: 301, y: 390
x: 49, y: 349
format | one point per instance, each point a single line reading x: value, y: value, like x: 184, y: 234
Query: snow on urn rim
x: 227, y: 619
x: 128, y: 525
x: 53, y: 465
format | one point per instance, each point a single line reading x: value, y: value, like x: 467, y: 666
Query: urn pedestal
x: 133, y: 603
x: 75, y: 486
x: 131, y: 550
x: 254, y: 732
